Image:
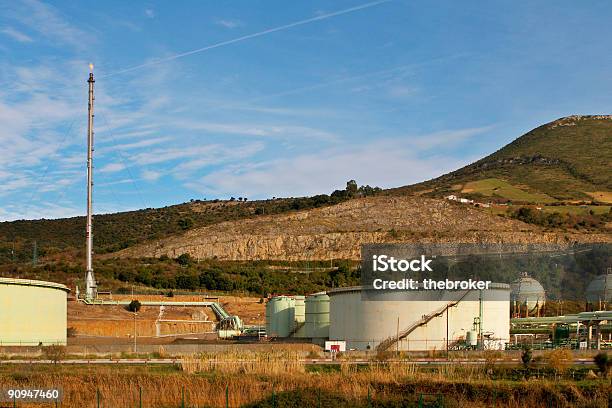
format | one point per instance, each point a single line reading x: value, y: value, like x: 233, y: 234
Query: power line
x: 124, y: 162
x: 248, y: 37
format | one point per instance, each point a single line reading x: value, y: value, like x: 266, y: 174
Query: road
x: 420, y: 361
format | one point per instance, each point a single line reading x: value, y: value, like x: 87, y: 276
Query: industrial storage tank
x: 527, y: 296
x: 419, y: 321
x: 279, y: 312
x: 297, y: 317
x: 599, y: 292
x: 317, y: 316
x: 32, y: 312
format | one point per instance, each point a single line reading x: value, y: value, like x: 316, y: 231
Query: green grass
x: 493, y: 187
x: 577, y: 209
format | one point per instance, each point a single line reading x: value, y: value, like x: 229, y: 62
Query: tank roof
x: 31, y: 282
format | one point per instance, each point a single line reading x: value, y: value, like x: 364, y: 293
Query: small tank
x: 527, y: 294
x: 599, y: 291
x: 297, y: 316
x: 471, y: 338
x: 278, y: 316
x: 317, y: 316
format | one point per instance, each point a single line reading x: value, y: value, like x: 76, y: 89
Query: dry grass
x: 245, y: 362
x: 252, y: 377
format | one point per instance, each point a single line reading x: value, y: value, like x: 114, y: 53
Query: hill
x: 66, y: 237
x: 564, y: 160
x: 336, y: 232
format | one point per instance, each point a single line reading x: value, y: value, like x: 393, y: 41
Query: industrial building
x: 398, y: 320
x: 32, y: 312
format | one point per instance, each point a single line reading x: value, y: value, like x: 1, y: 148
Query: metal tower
x: 91, y: 289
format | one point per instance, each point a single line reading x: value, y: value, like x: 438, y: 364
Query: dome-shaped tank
x: 600, y: 290
x: 527, y: 293
x: 278, y: 316
x: 317, y: 316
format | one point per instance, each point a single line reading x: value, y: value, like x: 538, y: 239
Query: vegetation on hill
x: 113, y: 232
x: 568, y: 159
x: 185, y: 274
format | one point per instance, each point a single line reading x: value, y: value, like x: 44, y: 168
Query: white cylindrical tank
x: 364, y: 324
x: 279, y: 310
x: 317, y: 316
x: 32, y: 312
x: 471, y: 338
x: 298, y: 316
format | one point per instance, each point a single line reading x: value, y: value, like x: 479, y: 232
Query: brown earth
x: 336, y: 232
x: 116, y: 321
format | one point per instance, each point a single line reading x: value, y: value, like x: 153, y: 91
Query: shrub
x: 603, y: 362
x: 526, y: 355
x: 54, y: 352
x: 134, y: 306
x: 559, y: 360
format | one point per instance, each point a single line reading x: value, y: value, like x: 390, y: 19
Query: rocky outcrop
x: 337, y: 232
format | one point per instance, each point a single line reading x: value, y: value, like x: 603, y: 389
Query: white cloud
x: 150, y: 13
x: 112, y: 168
x: 383, y: 163
x: 16, y: 35
x: 150, y: 175
x: 51, y: 24
x: 229, y: 23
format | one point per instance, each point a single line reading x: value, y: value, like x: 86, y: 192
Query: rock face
x: 337, y: 232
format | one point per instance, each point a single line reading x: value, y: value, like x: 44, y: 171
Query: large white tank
x: 317, y: 316
x: 32, y: 312
x: 364, y: 324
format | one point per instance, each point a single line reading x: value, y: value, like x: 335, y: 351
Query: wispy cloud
x: 253, y: 35
x: 384, y: 163
x: 49, y: 23
x: 229, y: 23
x: 16, y: 35
x: 150, y: 13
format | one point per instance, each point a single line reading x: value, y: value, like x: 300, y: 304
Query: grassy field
x: 493, y: 187
x: 281, y: 380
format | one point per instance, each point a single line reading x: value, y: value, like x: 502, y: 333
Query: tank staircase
x: 390, y: 341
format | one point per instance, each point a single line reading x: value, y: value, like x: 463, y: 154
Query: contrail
x: 247, y: 37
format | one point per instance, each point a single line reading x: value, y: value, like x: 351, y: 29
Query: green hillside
x: 565, y: 160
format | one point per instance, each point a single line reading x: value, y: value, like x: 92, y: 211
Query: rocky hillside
x: 337, y: 232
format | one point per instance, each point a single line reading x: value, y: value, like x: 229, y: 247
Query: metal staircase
x: 390, y: 341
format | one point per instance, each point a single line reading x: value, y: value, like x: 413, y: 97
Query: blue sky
x: 280, y: 100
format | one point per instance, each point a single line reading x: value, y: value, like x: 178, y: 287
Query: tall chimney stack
x: 91, y: 289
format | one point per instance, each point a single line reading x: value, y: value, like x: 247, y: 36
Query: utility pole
x: 135, y: 313
x: 91, y: 291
